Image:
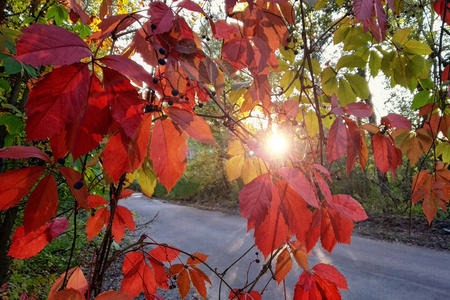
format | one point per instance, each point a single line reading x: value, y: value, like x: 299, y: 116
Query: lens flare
x: 276, y: 145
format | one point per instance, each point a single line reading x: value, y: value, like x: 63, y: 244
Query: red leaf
x: 113, y: 295
x: 81, y: 194
x: 195, y: 126
x: 348, y: 207
x: 129, y: 68
x: 162, y: 16
x: 19, y: 152
x: 96, y: 201
x: 96, y: 222
x: 16, y: 184
x: 290, y: 108
x: 92, y: 123
x: 42, y: 45
x: 239, y: 52
x: 133, y: 271
x: 337, y: 140
x: 364, y: 9
x: 126, y: 193
x: 386, y: 156
x: 150, y: 286
x: 274, y: 231
x: 300, y: 184
x: 76, y: 8
x: 58, y: 226
x: 184, y: 284
x: 254, y: 200
x: 329, y: 273
x: 115, y: 156
x: 126, y: 106
x: 192, y: 6
x: 28, y: 245
x: 224, y: 30
x: 115, y: 24
x: 396, y: 121
x: 168, y: 152
x: 244, y: 295
x: 358, y: 109
x: 164, y: 254
x: 335, y: 228
x: 125, y: 214
x: 160, y: 273
x: 56, y: 101
x: 42, y: 205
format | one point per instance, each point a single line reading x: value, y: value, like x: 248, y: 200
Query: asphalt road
x: 374, y: 269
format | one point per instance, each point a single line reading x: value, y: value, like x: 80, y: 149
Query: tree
x: 103, y: 120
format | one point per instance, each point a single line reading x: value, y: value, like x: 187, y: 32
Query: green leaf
x: 359, y: 85
x: 13, y: 124
x: 12, y: 66
x: 341, y: 33
x: 356, y: 39
x: 444, y: 150
x: 386, y: 62
x: 401, y: 36
x: 415, y: 47
x: 418, y: 67
x: 345, y: 93
x: 15, y: 109
x: 374, y: 63
x: 420, y: 99
x: 30, y: 70
x: 315, y: 66
x: 4, y: 85
x: 350, y: 61
x: 363, y: 53
x: 329, y: 81
x: 427, y: 83
x: 286, y: 82
x: 10, y: 46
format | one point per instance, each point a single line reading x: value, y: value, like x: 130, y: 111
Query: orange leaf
x: 175, y: 269
x: 197, y: 259
x: 168, y: 152
x: 96, y: 222
x: 113, y: 295
x: 67, y: 294
x: 77, y: 281
x: 203, y: 275
x: 16, y: 184
x: 96, y: 201
x: 283, y: 265
x: 133, y: 271
x: 42, y: 205
x: 58, y: 283
x: 300, y: 258
x: 184, y: 284
x: 198, y: 283
x: 81, y: 194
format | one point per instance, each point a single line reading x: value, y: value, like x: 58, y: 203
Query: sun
x: 276, y: 144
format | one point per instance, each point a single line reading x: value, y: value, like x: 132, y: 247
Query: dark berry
x: 162, y: 61
x: 153, y: 26
x: 61, y: 160
x: 338, y: 178
x: 295, y: 52
x: 257, y: 261
x: 78, y: 185
x: 207, y: 39
x: 256, y: 253
x: 187, y: 98
x: 170, y: 102
x: 203, y: 36
x: 200, y: 105
x: 288, y: 40
x: 175, y: 92
x: 155, y: 80
x: 286, y: 48
x: 162, y: 51
x: 188, y: 84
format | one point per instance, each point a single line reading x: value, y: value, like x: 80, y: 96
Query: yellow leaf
x: 147, y: 180
x: 286, y: 82
x: 129, y: 178
x: 248, y: 170
x: 234, y: 167
x: 401, y: 36
x: 236, y: 95
x: 236, y: 148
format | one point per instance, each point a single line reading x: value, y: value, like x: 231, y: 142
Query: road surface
x: 374, y: 269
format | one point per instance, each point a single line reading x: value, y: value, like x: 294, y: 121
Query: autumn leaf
x: 283, y: 265
x: 337, y: 140
x: 42, y: 205
x: 164, y: 253
x: 96, y: 222
x: 77, y: 281
x: 168, y: 152
x: 386, y: 155
x: 57, y: 100
x: 80, y: 194
x: 67, y: 294
x: 183, y: 283
x: 162, y: 16
x: 16, y: 184
x: 348, y: 207
x: 113, y: 295
x: 300, y: 184
x: 19, y: 152
x: 41, y: 45
x: 196, y: 258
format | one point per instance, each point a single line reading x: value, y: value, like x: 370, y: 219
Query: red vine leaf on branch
x: 122, y: 218
x: 190, y: 273
x: 164, y: 253
x: 42, y: 205
x: 244, y: 295
x: 138, y: 275
x: 75, y: 9
x: 300, y: 184
x: 337, y: 140
x: 195, y: 126
x: 168, y: 151
x: 19, y: 152
x: 67, y: 294
x: 16, y: 184
x: 323, y: 283
x: 56, y: 101
x: 80, y: 194
x: 113, y: 295
x: 283, y: 265
x: 42, y: 45
x: 28, y: 245
x: 347, y: 207
x: 115, y: 24
x: 77, y: 281
x: 386, y: 155
x: 162, y: 16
